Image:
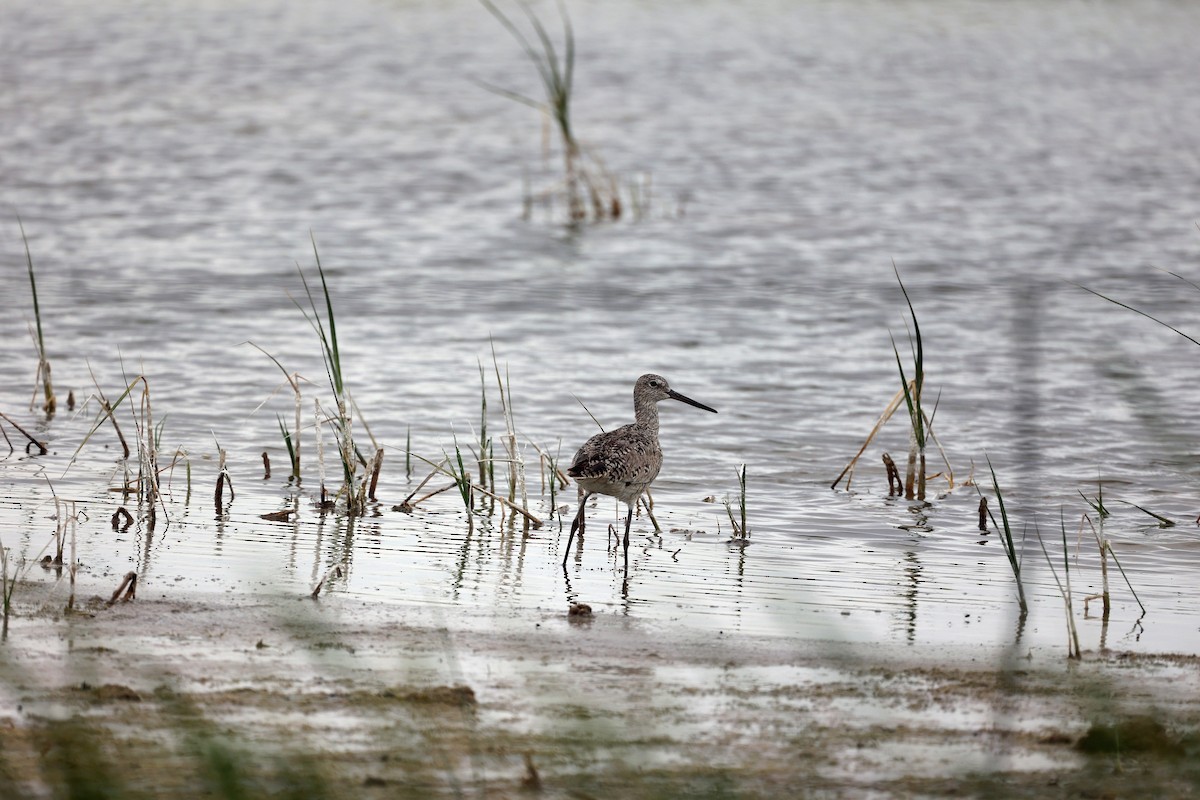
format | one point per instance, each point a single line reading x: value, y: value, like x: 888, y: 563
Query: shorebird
x: 622, y: 463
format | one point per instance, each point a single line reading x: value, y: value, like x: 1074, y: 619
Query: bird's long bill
x: 677, y: 396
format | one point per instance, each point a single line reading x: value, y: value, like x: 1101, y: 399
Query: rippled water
x: 170, y: 162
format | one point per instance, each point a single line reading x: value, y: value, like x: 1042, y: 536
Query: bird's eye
x: 655, y: 384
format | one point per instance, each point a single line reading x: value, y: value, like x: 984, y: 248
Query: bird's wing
x: 606, y: 453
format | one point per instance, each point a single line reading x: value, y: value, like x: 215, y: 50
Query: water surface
x: 170, y: 165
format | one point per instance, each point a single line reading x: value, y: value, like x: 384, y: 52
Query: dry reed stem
x: 376, y: 466
x: 848, y: 471
x: 888, y: 412
x: 409, y: 506
x: 335, y: 570
x: 74, y: 565
x: 32, y: 440
x: 436, y: 470
x: 563, y: 480
x: 266, y: 466
x: 932, y: 435
x: 129, y: 586
x: 531, y: 518
x: 119, y: 515
x: 223, y: 480
x: 107, y: 408
x: 895, y: 485
x: 1105, y: 550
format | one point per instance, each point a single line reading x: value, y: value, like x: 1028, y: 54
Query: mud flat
x: 240, y: 696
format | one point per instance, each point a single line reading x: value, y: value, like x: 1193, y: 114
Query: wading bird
x: 622, y: 463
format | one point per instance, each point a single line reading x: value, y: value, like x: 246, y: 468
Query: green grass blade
x: 1165, y: 523
x: 37, y: 312
x: 1112, y: 553
x: 569, y: 45
x: 529, y: 49
x: 1150, y: 317
x: 332, y: 344
x: 1006, y: 538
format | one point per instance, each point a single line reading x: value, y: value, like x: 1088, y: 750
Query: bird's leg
x: 576, y: 525
x: 628, y: 523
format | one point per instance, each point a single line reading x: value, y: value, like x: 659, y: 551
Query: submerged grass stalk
x: 7, y: 586
x: 50, y: 402
x: 740, y: 530
x: 353, y: 488
x: 1006, y: 540
x: 912, y: 399
x: 557, y: 77
x: 1073, y: 650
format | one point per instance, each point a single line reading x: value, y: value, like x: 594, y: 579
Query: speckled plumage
x: 622, y: 463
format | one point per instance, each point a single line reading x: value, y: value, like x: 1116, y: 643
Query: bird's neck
x: 646, y: 414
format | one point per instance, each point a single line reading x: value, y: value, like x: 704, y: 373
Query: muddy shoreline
x: 156, y: 694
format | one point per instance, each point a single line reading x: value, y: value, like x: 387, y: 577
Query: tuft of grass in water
x: 920, y: 423
x: 912, y: 399
x: 1006, y: 540
x: 50, y: 402
x: 293, y: 447
x: 518, y: 493
x: 1064, y: 588
x: 740, y: 529
x: 1097, y: 503
x: 556, y: 74
x: 1106, y: 550
x: 354, y: 486
x: 291, y: 440
x: 149, y: 435
x: 551, y: 465
x: 456, y: 469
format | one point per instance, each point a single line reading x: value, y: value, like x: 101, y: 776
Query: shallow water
x: 169, y: 166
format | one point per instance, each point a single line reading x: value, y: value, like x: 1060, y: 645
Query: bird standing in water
x: 622, y: 463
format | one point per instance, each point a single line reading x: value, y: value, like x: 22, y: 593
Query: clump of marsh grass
x: 740, y: 529
x: 1105, y: 547
x: 1106, y: 550
x: 408, y: 504
x: 1064, y: 588
x: 456, y: 470
x: 149, y: 438
x: 291, y: 438
x: 354, y: 485
x: 553, y: 479
x: 517, y: 489
x: 50, y: 402
x: 462, y: 480
x: 486, y: 455
x: 920, y: 423
x: 584, y: 183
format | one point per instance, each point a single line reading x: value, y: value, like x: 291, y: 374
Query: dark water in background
x: 170, y: 161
